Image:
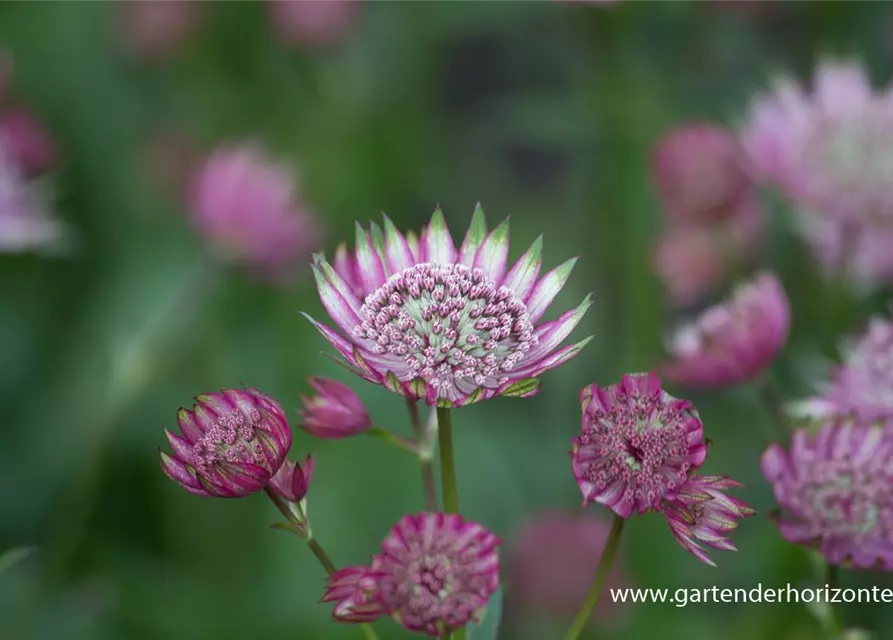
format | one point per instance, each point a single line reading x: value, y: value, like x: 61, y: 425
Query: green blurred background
x: 542, y: 110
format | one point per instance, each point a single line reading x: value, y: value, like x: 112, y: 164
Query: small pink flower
x: 692, y: 260
x: 835, y: 490
x: 232, y: 444
x: 246, y: 207
x: 734, y: 341
x: 154, y: 29
x: 292, y: 480
x: 701, y: 513
x: 699, y: 172
x: 435, y: 573
x: 354, y: 596
x: 553, y: 559
x: 336, y: 412
x: 453, y: 326
x: 638, y: 444
x: 29, y: 141
x: 313, y: 21
x: 859, y: 252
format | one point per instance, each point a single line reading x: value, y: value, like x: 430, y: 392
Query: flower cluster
x: 640, y: 450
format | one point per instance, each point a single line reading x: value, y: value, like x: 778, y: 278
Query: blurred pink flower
x: 552, y: 560
x: 154, y: 29
x: 734, y: 341
x: 692, y: 260
x: 28, y: 140
x: 334, y: 412
x: 698, y: 170
x: 859, y: 252
x: 246, y: 207
x: 313, y: 21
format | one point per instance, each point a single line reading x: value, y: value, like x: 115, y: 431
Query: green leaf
x: 14, y: 556
x: 523, y: 388
x: 488, y: 627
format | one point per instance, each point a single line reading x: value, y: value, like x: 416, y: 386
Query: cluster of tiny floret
x: 232, y: 438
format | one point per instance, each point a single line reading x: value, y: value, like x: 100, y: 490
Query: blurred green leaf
x: 488, y: 626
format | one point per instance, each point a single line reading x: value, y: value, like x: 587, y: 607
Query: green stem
x: 317, y: 550
x: 447, y: 461
x: 598, y: 582
x: 392, y: 438
x: 833, y: 626
x: 424, y: 455
x: 772, y: 401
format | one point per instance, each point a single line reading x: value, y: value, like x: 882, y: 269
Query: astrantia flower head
x: 246, y: 207
x: 699, y: 172
x: 336, y: 412
x: 734, y: 341
x: 829, y: 150
x: 637, y: 445
x: 701, y: 513
x: 354, y: 595
x: 436, y: 572
x: 862, y: 386
x: 835, y: 490
x: 232, y: 443
x: 452, y: 326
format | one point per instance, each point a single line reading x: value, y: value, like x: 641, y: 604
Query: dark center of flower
x: 837, y: 500
x: 640, y: 442
x: 233, y: 438
x: 449, y: 324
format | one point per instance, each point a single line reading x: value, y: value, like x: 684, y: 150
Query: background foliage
x: 542, y: 110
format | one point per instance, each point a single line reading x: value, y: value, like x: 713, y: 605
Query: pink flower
x: 694, y: 259
x: 154, y: 29
x: 701, y: 513
x: 337, y: 412
x: 292, y: 480
x: 28, y: 141
x: 835, y: 489
x: 233, y: 442
x: 435, y: 573
x: 353, y: 602
x: 699, y: 172
x: 734, y: 341
x: 453, y: 326
x: 313, y: 21
x: 246, y: 207
x: 638, y: 444
x: 553, y: 559
x: 860, y: 252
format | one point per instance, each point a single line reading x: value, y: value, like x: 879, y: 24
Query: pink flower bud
x: 293, y: 480
x: 154, y: 29
x: 28, y: 141
x: 232, y: 443
x: 313, y: 21
x: 336, y: 412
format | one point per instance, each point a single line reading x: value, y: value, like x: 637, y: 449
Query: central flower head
x: 452, y: 326
x: 436, y: 572
x: 836, y: 490
x: 637, y: 444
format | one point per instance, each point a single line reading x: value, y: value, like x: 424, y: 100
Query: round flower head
x: 862, y: 386
x: 246, y: 207
x: 835, y: 490
x: 353, y: 594
x: 233, y: 442
x: 336, y: 412
x: 829, y: 151
x: 701, y: 513
x: 637, y: 444
x: 699, y: 172
x: 313, y: 22
x: 734, y: 341
x: 693, y: 259
x: 553, y: 559
x: 436, y: 572
x: 451, y: 326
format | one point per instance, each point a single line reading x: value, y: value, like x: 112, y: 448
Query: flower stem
x: 598, y: 582
x: 392, y: 438
x: 832, y: 624
x: 447, y: 461
x: 424, y: 455
x: 317, y: 550
x: 772, y: 401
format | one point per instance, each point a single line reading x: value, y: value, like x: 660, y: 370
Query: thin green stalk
x: 447, y: 461
x: 317, y: 550
x: 598, y: 582
x: 424, y: 455
x: 392, y: 438
x: 833, y: 626
x: 774, y: 405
